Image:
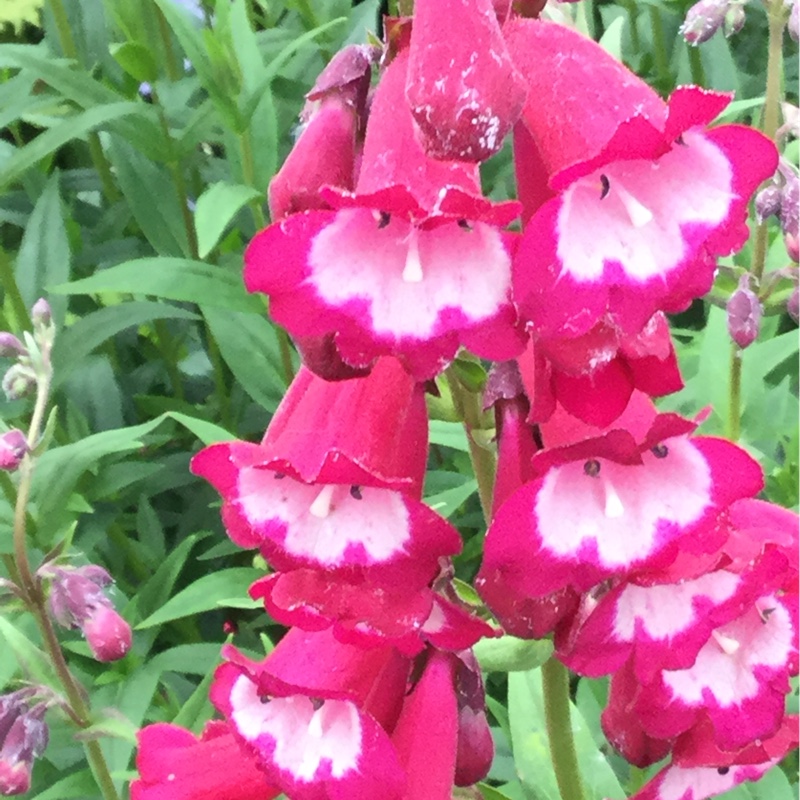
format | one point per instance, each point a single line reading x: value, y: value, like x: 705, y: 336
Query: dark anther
x: 316, y: 702
x: 462, y: 223
x: 723, y: 770
x: 765, y: 614
x: 679, y: 140
x: 355, y: 492
x: 265, y: 699
x: 605, y: 183
x: 279, y: 476
x: 592, y: 468
x: 385, y: 219
x: 660, y: 451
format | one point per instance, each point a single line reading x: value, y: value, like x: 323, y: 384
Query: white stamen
x: 321, y: 506
x: 639, y: 214
x: 614, y: 507
x: 727, y: 644
x: 412, y: 272
x: 315, y: 725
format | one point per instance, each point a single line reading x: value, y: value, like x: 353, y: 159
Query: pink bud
x: 793, y: 24
x: 768, y: 202
x: 734, y: 19
x: 13, y: 447
x: 793, y: 305
x: 14, y: 778
x: 792, y: 246
x: 107, y: 633
x: 744, y: 314
x: 10, y: 346
x: 23, y: 737
x: 41, y: 314
x: 703, y: 20
x: 790, y: 199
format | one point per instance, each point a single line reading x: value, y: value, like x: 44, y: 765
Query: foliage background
x: 129, y: 206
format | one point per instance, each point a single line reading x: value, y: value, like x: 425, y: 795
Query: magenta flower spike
x: 174, y: 764
x: 646, y: 195
x: 462, y: 87
x: 315, y: 714
x: 412, y: 263
x: 335, y: 483
x: 605, y: 504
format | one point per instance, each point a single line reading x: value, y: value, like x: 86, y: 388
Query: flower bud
x: 10, y: 346
x: 41, y: 314
x: 768, y: 202
x: 23, y: 737
x: 792, y: 246
x: 793, y: 305
x: 703, y: 20
x: 18, y: 382
x: 734, y: 19
x: 794, y: 24
x: 107, y: 633
x: 77, y: 600
x: 13, y: 447
x: 790, y: 200
x: 744, y: 314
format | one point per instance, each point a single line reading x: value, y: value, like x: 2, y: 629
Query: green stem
x: 166, y: 346
x: 555, y: 687
x: 35, y: 598
x: 696, y: 66
x: 771, y: 119
x: 249, y: 175
x: 96, y: 153
x: 174, y: 72
x: 467, y: 406
x: 10, y: 287
x: 220, y: 384
x: 660, y: 54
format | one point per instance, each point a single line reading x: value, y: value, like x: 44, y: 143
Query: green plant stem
x: 769, y: 125
x: 35, y: 599
x: 174, y: 72
x: 67, y: 42
x: 467, y: 406
x: 249, y: 175
x: 660, y: 55
x: 555, y: 686
x: 696, y: 66
x: 220, y: 385
x: 10, y: 287
x: 166, y: 346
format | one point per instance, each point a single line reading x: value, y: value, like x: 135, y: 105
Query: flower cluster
x: 640, y: 545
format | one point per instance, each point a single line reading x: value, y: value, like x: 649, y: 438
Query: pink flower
x: 173, y: 764
x: 605, y: 504
x: 334, y: 484
x: 315, y: 715
x: 645, y: 196
x: 593, y: 376
x: 392, y: 271
x: 463, y: 89
x: 13, y: 448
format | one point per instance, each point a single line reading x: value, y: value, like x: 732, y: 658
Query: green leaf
x: 204, y: 595
x: 248, y: 344
x: 35, y: 665
x: 449, y: 501
x: 170, y: 279
x: 216, y: 207
x: 197, y: 708
x: 206, y: 432
x: 44, y: 256
x: 135, y: 59
x: 158, y: 212
x: 448, y: 434
x: 510, y: 654
x: 90, y: 331
x: 75, y: 127
x: 490, y: 793
x: 532, y: 752
x: 79, y: 784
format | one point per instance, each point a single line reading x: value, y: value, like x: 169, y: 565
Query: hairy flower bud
x: 744, y: 314
x: 734, y: 19
x: 77, y: 600
x: 23, y: 737
x: 18, y: 382
x: 10, y: 346
x: 41, y: 314
x: 768, y: 202
x: 794, y: 24
x: 703, y: 20
x: 13, y: 447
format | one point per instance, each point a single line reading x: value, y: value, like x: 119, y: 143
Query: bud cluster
x: 23, y: 737
x: 32, y: 359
